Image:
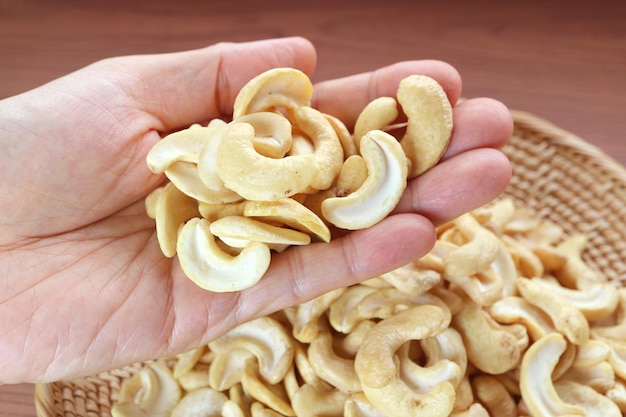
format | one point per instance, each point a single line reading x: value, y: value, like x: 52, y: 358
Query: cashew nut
x: 377, y: 114
x: 202, y: 260
x: 257, y: 177
x: 381, y: 191
x: 538, y: 391
x: 152, y: 392
x: 429, y: 125
x: 277, y: 88
x: 171, y: 211
x: 379, y: 375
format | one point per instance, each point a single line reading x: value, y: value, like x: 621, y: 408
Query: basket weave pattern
x: 556, y: 174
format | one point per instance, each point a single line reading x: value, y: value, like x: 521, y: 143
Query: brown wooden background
x: 562, y: 60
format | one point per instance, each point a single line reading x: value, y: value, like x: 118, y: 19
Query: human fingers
x: 479, y: 123
x: 457, y: 185
x: 300, y: 274
x: 193, y: 86
x: 346, y: 97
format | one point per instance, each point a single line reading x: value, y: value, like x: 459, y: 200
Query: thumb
x: 182, y: 88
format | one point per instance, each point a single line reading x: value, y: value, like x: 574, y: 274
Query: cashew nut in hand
x: 377, y: 115
x: 202, y: 260
x: 171, y: 211
x: 257, y: 177
x: 327, y: 151
x: 538, y: 391
x: 289, y: 212
x: 381, y: 191
x: 184, y: 145
x: 250, y: 230
x: 378, y: 373
x: 429, y: 124
x: 272, y: 133
x: 152, y: 392
x: 286, y: 88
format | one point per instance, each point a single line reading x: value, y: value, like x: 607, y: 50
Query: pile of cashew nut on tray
x: 502, y: 318
x: 281, y: 172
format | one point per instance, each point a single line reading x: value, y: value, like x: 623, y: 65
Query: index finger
x: 346, y: 97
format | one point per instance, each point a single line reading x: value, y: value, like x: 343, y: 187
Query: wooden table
x: 563, y: 60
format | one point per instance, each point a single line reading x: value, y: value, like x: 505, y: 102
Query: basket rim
x: 567, y: 139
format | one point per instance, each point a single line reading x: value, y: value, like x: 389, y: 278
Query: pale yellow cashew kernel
x: 153, y: 392
x: 257, y: 177
x: 314, y: 401
x: 251, y: 230
x: 380, y: 192
x: 585, y: 397
x: 201, y: 402
x: 277, y: 88
x: 207, y: 265
x: 289, y: 212
x: 329, y: 366
x: 327, y: 150
x: 273, y: 396
x: 566, y: 318
x: 376, y: 115
x: 378, y: 373
x: 494, y: 396
x: 272, y: 133
x: 184, y: 145
x: 429, y: 125
x: 171, y: 211
x: 538, y: 391
x: 267, y: 339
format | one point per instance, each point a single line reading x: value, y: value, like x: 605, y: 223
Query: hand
x: 84, y: 287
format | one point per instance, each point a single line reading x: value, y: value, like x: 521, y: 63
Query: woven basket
x: 558, y: 175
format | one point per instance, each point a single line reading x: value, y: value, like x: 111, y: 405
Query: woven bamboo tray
x: 558, y: 175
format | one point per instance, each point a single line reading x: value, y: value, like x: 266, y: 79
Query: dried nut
x: 267, y: 339
x: 272, y: 133
x: 212, y: 212
x: 377, y: 115
x: 411, y: 279
x: 595, y: 301
x: 337, y: 371
x: 186, y: 177
x: 153, y: 392
x: 591, y: 353
x: 422, y: 379
x: 227, y: 368
x: 491, y: 347
x: 617, y: 330
x: 184, y: 145
x: 515, y: 309
x: 171, y: 211
x: 447, y: 345
x: 381, y: 191
x: 378, y: 373
x: 202, y: 260
x: 231, y: 409
x: 312, y: 401
x: 257, y: 177
x: 600, y: 376
x: 202, y: 402
x: 494, y: 396
x: 429, y: 125
x: 591, y: 401
x: 251, y: 230
x: 474, y: 410
x: 343, y: 314
x: 566, y: 318
x: 357, y: 405
x: 273, y: 396
x: 328, y: 152
x: 185, y: 362
x: 538, y: 391
x: 151, y: 201
x: 575, y: 272
x: 289, y: 212
x: 277, y: 88
x: 344, y: 135
x: 307, y: 314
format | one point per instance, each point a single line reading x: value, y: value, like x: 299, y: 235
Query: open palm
x: 84, y: 286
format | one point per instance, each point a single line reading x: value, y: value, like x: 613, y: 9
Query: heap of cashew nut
x: 502, y: 318
x: 281, y: 172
